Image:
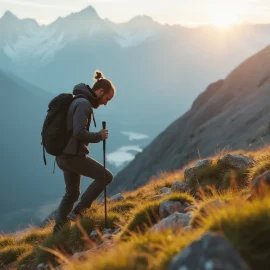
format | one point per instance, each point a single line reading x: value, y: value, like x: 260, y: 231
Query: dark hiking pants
x: 73, y: 168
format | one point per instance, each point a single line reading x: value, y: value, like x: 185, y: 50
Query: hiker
x: 74, y: 160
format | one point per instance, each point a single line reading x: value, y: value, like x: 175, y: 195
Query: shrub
x: 143, y: 217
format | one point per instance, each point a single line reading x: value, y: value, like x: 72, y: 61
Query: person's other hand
x: 104, y: 133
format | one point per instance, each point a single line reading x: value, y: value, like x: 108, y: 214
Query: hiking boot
x: 74, y: 216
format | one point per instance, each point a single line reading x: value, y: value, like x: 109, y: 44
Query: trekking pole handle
x: 104, y: 124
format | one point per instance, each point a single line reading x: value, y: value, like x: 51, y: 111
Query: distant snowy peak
x: 12, y: 28
x: 8, y: 17
x: 135, y: 31
x: 36, y: 47
x: 86, y: 21
x: 142, y: 21
x: 133, y: 38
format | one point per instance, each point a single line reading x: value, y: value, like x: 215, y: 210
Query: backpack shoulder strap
x: 91, y: 110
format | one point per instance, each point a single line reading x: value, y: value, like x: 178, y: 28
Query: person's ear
x: 100, y: 92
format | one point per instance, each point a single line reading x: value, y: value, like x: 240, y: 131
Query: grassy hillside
x: 214, y: 201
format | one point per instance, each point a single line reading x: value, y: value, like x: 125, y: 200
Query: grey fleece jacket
x: 79, y: 112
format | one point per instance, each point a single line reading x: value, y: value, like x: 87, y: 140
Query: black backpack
x: 54, y: 131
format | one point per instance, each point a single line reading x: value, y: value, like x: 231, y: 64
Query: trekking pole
x: 104, y: 162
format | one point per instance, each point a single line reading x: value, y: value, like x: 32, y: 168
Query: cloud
x: 122, y: 155
x: 134, y: 136
x: 36, y: 4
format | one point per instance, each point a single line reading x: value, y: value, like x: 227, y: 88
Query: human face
x: 103, y: 98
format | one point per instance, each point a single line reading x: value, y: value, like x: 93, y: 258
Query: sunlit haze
x: 189, y: 13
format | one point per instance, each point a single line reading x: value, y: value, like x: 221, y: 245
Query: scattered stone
x: 203, y: 162
x: 167, y: 208
x: 94, y: 235
x: 117, y: 197
x: 43, y: 266
x: 165, y: 190
x: 83, y: 255
x: 174, y: 221
x: 107, y: 236
x: 211, y: 252
x: 118, y: 230
x: 237, y: 161
x: 191, y: 172
x: 178, y: 186
x: 260, y: 186
x: 107, y: 231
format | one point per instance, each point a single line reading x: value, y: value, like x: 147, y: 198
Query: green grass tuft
x: 181, y: 197
x: 262, y: 165
x: 6, y: 240
x: 89, y: 223
x: 35, y: 236
x: 143, y: 217
x: 27, y: 258
x: 56, y: 242
x: 10, y: 254
x: 121, y: 207
x: 218, y: 175
x: 151, y: 251
x: 247, y: 227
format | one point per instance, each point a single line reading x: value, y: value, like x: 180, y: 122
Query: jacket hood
x: 84, y: 90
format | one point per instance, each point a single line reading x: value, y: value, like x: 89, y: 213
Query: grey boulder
x: 174, y: 221
x: 211, y: 252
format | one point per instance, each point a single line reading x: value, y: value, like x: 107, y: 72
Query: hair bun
x: 98, y: 75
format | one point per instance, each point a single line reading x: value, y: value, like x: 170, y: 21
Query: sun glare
x: 223, y: 17
x: 224, y: 21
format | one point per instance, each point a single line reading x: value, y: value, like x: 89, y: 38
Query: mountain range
x: 148, y: 62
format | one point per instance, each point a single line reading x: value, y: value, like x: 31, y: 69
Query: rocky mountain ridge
x: 233, y: 113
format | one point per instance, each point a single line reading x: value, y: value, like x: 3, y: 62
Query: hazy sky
x: 187, y: 12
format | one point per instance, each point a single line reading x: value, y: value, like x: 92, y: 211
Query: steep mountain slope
x: 231, y: 113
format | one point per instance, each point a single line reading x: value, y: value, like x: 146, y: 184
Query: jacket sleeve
x: 80, y: 120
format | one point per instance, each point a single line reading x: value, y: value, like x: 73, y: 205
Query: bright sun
x: 224, y: 21
x: 222, y: 16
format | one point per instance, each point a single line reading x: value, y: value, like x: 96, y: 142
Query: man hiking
x: 74, y: 160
